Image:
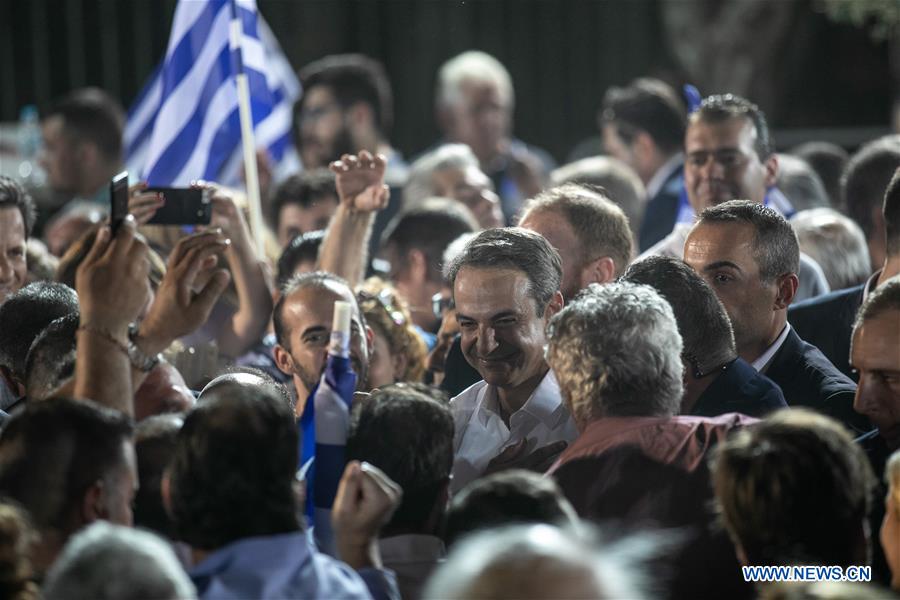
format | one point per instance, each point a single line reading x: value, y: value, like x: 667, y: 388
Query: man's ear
x: 787, y: 289
x: 601, y: 270
x: 771, y: 166
x: 283, y: 359
x: 93, y: 503
x: 554, y: 306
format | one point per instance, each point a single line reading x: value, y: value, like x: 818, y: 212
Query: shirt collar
x: 763, y: 361
x: 543, y: 404
x: 871, y: 284
x: 662, y: 174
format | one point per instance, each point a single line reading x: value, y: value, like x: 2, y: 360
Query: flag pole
x: 248, y: 141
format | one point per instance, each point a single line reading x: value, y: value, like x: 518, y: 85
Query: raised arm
x: 112, y: 288
x: 251, y: 278
x: 362, y: 192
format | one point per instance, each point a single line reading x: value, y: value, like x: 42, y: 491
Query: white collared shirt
x: 762, y: 362
x: 481, y: 433
x: 662, y: 174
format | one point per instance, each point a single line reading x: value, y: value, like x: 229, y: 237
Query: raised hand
x: 366, y: 499
x: 178, y: 309
x: 112, y: 281
x: 143, y: 205
x: 360, y: 181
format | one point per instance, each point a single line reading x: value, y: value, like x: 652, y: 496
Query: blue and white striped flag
x: 185, y: 124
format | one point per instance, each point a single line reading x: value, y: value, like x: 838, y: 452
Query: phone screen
x: 183, y: 206
x: 118, y: 194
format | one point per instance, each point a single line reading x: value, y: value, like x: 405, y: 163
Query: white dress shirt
x: 481, y: 433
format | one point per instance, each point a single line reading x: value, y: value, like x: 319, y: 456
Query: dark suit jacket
x: 740, y: 389
x: 808, y: 379
x: 826, y: 322
x: 661, y: 211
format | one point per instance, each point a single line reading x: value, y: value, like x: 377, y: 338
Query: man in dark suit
x: 827, y: 321
x: 716, y: 380
x: 749, y: 254
x: 643, y: 125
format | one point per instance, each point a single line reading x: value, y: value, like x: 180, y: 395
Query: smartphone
x: 184, y: 206
x: 118, y: 197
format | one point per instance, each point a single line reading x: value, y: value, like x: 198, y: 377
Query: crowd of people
x: 626, y: 377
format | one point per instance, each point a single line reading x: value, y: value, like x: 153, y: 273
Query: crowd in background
x: 623, y: 377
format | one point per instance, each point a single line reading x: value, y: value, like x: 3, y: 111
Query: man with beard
x: 347, y: 107
x: 302, y: 320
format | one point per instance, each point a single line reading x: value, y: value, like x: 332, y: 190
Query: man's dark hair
x: 90, y: 114
x: 351, y: 78
x: 154, y: 445
x: 408, y: 435
x: 429, y: 227
x: 720, y: 108
x: 303, y: 248
x: 233, y: 469
x: 884, y: 298
x: 775, y: 246
x: 891, y: 212
x: 702, y: 320
x: 518, y: 249
x: 866, y: 178
x: 53, y: 451
x: 25, y: 314
x: 304, y: 190
x: 648, y: 105
x: 506, y: 498
x: 828, y: 161
x: 14, y: 195
x: 51, y: 358
x: 317, y: 280
x: 794, y: 489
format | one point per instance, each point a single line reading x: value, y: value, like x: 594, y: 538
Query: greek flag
x: 185, y: 123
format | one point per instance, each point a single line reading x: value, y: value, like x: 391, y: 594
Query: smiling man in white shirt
x: 506, y: 287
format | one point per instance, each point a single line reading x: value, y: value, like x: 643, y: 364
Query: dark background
x: 562, y: 55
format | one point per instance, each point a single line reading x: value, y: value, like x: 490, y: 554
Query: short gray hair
x: 515, y: 561
x: 835, y: 242
x: 472, y: 66
x: 107, y: 561
x: 616, y: 351
x: 419, y: 184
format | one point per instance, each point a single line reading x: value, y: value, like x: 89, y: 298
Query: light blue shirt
x: 284, y: 566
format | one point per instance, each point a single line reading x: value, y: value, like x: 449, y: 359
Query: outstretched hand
x: 178, y: 309
x: 360, y: 181
x: 517, y: 456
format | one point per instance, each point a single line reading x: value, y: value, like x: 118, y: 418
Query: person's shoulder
x: 469, y: 397
x: 825, y: 302
x: 333, y: 579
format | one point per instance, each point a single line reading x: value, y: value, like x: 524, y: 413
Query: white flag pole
x: 248, y: 141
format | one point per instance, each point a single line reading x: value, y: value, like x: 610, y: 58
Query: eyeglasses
x: 439, y: 304
x: 384, y: 298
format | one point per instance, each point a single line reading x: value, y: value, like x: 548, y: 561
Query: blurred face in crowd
x: 480, y: 117
x: 294, y: 219
x: 503, y: 335
x: 721, y: 164
x: 120, y: 488
x: 307, y: 316
x: 474, y: 189
x: 324, y: 134
x: 557, y: 230
x: 59, y: 157
x: 722, y: 254
x: 875, y: 353
x: 13, y: 267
